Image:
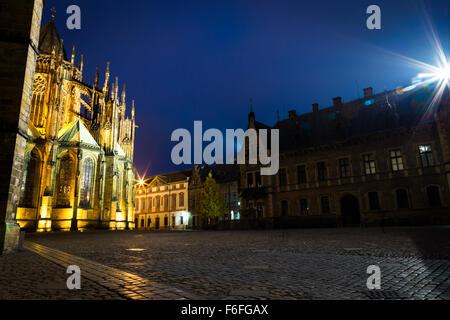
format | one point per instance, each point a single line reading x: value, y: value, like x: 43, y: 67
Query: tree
x: 211, y: 203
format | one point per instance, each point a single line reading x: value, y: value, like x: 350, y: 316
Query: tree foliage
x: 211, y: 203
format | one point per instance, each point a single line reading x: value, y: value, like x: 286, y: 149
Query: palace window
x: 321, y: 171
x: 304, y: 210
x: 150, y: 203
x: 174, y: 201
x: 402, y: 199
x: 301, y: 174
x: 369, y: 164
x: 173, y: 221
x: 259, y: 210
x: 157, y: 203
x: 374, y: 202
x: 258, y: 179
x: 166, y: 202
x: 143, y: 204
x: 426, y: 155
x: 181, y: 199
x: 149, y: 222
x: 249, y: 180
x: 344, y: 167
x: 325, y: 203
x: 434, y: 198
x: 86, y: 183
x: 284, y: 208
x: 396, y: 160
x: 181, y: 219
x: 282, y: 177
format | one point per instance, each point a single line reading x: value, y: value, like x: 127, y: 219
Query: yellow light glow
x: 136, y: 249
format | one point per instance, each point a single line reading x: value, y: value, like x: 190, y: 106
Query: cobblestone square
x: 274, y: 264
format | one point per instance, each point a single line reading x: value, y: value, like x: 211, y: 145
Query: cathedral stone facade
x: 78, y: 170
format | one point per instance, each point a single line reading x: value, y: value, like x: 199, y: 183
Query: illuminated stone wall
x: 75, y: 167
x: 19, y: 36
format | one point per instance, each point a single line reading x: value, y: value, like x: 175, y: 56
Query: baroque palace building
x: 380, y: 159
x: 162, y: 202
x: 78, y: 170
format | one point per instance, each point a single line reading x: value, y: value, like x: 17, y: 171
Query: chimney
x: 315, y: 107
x: 368, y: 92
x: 337, y: 101
x: 292, y: 114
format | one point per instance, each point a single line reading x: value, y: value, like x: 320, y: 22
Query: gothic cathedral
x: 78, y: 171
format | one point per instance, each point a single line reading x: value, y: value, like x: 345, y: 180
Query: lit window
x: 396, y: 160
x: 426, y: 155
x: 369, y: 164
x: 86, y: 183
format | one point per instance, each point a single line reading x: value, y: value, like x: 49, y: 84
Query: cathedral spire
x: 116, y: 88
x: 105, y: 86
x: 123, y: 94
x: 81, y: 64
x: 96, y: 79
x: 61, y: 50
x: 72, y: 60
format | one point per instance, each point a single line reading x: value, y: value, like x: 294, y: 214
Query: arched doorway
x: 157, y: 223
x: 350, y: 211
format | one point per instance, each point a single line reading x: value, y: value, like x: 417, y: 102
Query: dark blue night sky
x: 190, y: 60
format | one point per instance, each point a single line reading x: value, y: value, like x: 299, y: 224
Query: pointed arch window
x: 65, y: 182
x: 28, y: 181
x: 86, y: 183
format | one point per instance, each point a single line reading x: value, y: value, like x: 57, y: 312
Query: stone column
x: 20, y: 22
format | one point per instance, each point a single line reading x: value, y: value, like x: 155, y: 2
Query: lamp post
x: 142, y: 184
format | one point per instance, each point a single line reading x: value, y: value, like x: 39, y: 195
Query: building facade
x: 78, y: 164
x: 162, y: 202
x: 381, y: 159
